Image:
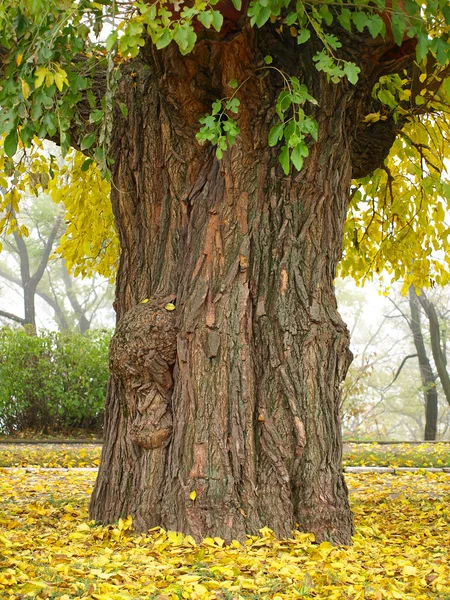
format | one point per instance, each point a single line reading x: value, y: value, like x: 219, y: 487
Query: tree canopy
x: 61, y: 60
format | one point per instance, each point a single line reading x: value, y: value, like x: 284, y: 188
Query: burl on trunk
x: 235, y: 393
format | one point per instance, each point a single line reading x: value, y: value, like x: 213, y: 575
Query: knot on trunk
x: 142, y: 354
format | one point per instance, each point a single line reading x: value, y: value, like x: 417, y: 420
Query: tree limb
x: 400, y: 369
x: 12, y: 317
x: 37, y: 276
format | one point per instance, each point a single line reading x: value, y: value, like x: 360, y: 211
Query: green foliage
x: 219, y: 127
x: 52, y: 52
x: 52, y: 381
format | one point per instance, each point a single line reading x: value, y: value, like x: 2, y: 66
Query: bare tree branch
x: 12, y: 317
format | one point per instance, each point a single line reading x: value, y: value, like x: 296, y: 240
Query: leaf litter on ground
x: 49, y: 548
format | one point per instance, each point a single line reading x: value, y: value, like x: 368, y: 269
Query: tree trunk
x: 235, y: 393
x: 426, y: 372
x: 439, y: 357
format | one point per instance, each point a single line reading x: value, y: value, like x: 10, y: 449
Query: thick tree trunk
x: 234, y: 394
x: 426, y: 372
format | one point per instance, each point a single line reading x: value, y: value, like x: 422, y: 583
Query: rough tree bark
x: 235, y: 394
x: 426, y: 372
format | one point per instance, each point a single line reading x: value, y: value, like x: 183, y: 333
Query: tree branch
x: 400, y: 369
x: 12, y: 317
x: 37, y: 276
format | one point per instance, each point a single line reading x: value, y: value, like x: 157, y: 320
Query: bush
x: 52, y: 381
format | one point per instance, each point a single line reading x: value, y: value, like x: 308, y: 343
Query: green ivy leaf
x: 217, y: 20
x: 123, y: 109
x: 233, y: 105
x: 284, y: 159
x: 360, y: 19
x: 96, y: 116
x: 375, y: 25
x: 303, y: 36
x: 10, y: 143
x: 351, y: 71
x: 164, y: 39
x: 345, y: 19
x: 111, y: 40
x: 87, y: 141
x: 206, y: 18
x: 276, y: 134
x: 398, y: 24
x: 296, y: 157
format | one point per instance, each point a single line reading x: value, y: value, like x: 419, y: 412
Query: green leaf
x: 284, y: 159
x: 164, y: 39
x: 217, y: 20
x: 87, y: 163
x: 360, y: 19
x: 422, y: 46
x: 233, y: 84
x: 303, y: 36
x: 263, y: 16
x: 233, y: 105
x: 205, y: 18
x: 326, y: 14
x: 216, y: 107
x: 111, y: 40
x: 185, y: 37
x: 345, y: 19
x: 87, y: 141
x: 276, y: 134
x: 96, y: 116
x: 237, y: 4
x: 351, y: 71
x: 123, y: 109
x: 268, y: 60
x: 398, y: 24
x: 375, y: 25
x: 10, y: 143
x: 296, y: 157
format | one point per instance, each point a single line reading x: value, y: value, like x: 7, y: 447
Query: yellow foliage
x: 89, y: 243
x: 397, y: 223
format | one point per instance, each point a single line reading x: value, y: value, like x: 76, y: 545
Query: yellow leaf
x: 170, y: 306
x: 25, y: 89
x: 19, y: 59
x: 59, y: 80
x: 40, y: 75
x: 193, y: 495
x: 372, y: 117
x: 144, y: 301
x: 49, y: 78
x: 422, y: 77
x: 409, y: 570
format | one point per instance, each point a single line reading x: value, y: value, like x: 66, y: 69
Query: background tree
x: 229, y: 350
x: 30, y: 268
x: 384, y: 396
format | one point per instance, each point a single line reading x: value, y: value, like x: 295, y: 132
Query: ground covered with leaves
x: 50, y: 455
x: 397, y: 455
x: 355, y: 455
x: 49, y: 548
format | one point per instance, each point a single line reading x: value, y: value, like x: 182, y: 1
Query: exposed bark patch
x: 142, y: 355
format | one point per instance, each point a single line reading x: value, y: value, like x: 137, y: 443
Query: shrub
x: 52, y: 381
